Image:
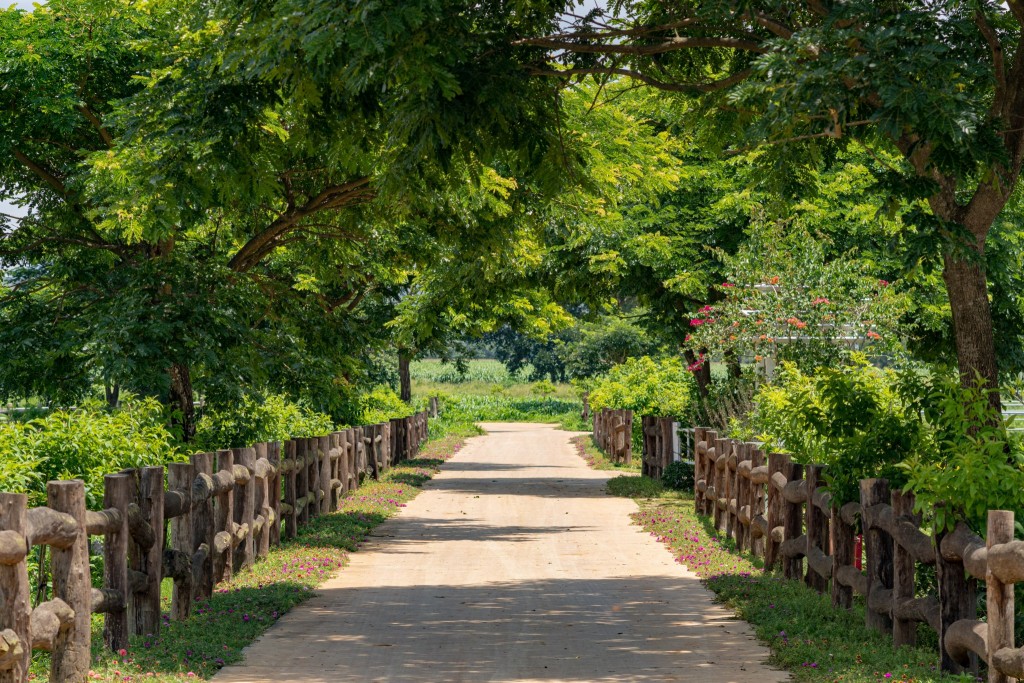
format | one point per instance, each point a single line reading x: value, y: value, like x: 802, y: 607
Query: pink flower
x: 697, y: 322
x: 883, y: 283
x: 820, y: 300
x: 728, y: 284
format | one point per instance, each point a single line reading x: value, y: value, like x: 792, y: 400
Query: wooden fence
x: 778, y: 510
x: 658, y: 445
x: 613, y: 432
x: 224, y: 510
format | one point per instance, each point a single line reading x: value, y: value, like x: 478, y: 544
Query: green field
x: 482, y: 377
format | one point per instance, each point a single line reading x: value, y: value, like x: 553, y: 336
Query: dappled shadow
x: 416, y: 530
x: 544, y: 487
x: 615, y: 629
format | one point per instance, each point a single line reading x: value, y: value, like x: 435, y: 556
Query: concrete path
x: 513, y: 565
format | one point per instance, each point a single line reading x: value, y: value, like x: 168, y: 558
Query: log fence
x: 613, y: 432
x: 216, y: 515
x: 781, y: 511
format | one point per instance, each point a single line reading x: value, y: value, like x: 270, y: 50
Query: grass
x: 459, y: 412
x: 595, y: 457
x: 807, y: 636
x: 483, y: 377
x: 243, y: 608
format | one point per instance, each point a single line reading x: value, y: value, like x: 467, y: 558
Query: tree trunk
x: 403, y: 377
x: 113, y: 394
x: 701, y: 374
x: 182, y: 401
x: 967, y: 288
x: 732, y: 362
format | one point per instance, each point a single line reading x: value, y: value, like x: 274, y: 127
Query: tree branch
x: 668, y: 45
x: 711, y: 86
x: 49, y: 177
x: 97, y: 124
x: 998, y: 66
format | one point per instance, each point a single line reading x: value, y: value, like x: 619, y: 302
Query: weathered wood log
x: 795, y: 492
x: 313, y: 475
x: 879, y: 550
x: 223, y: 522
x: 700, y: 483
x: 262, y: 473
x: 289, y: 510
x: 101, y: 522
x: 70, y: 573
x: 177, y: 565
x: 48, y: 622
x: 774, y: 512
x: 1006, y: 561
x: 759, y: 528
x: 965, y: 546
x: 14, y: 595
x: 202, y: 529
x: 144, y: 604
x: 326, y: 474
x: 843, y: 546
x: 139, y: 528
x: 12, y: 653
x: 852, y: 578
x: 47, y: 526
x: 904, y: 630
x: 819, y: 564
x: 850, y: 513
x: 1010, y: 661
x: 180, y: 476
x: 998, y: 595
x: 792, y: 522
x: 13, y: 547
x: 925, y: 609
x: 956, y: 593
x: 118, y: 492
x: 903, y: 531
x: 966, y: 637
x: 103, y: 600
x: 301, y: 481
x: 274, y: 457
x: 245, y: 507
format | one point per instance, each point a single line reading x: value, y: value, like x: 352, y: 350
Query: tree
x: 941, y: 82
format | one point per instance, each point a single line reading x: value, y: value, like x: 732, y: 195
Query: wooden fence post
x: 842, y: 556
x: 817, y: 530
x: 957, y: 600
x: 146, y: 553
x: 665, y: 454
x: 699, y: 471
x: 301, y: 483
x: 904, y: 631
x: 736, y: 490
x: 224, y: 523
x: 792, y: 522
x: 776, y: 512
x: 291, y: 488
x: 757, y: 499
x: 313, y: 469
x: 118, y: 491
x: 245, y: 510
x: 711, y: 466
x: 261, y: 507
x: 274, y: 456
x: 627, y: 436
x: 203, y: 532
x: 326, y: 492
x: 72, y: 584
x: 15, y: 607
x: 180, y: 476
x: 878, y: 548
x: 723, y: 449
x: 999, y: 595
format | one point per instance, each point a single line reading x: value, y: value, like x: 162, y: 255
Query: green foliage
x: 461, y: 411
x: 965, y: 461
x: 645, y: 386
x: 489, y: 371
x: 258, y: 418
x: 83, y: 443
x: 633, y: 486
x: 383, y: 404
x: 603, y: 344
x: 543, y: 388
x: 678, y: 476
x: 852, y: 419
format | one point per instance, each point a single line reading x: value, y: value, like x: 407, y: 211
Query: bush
x: 543, y: 388
x: 256, y: 419
x: 382, y: 404
x: 83, y: 443
x: 645, y: 386
x: 678, y: 476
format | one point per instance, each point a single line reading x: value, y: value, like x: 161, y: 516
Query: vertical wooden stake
x: 261, y: 505
x: 202, y: 533
x: 999, y: 596
x: 325, y: 474
x: 842, y: 556
x: 904, y: 631
x: 776, y: 462
x: 878, y: 549
x: 301, y: 483
x: 72, y: 584
x: 274, y: 456
x: 118, y: 491
x: 957, y: 600
x: 291, y: 488
x: 144, y: 607
x: 817, y: 528
x: 15, y: 605
x: 245, y: 509
x: 756, y: 498
x: 224, y: 523
x: 792, y: 522
x: 180, y: 476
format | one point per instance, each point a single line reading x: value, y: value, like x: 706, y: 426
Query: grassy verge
x: 806, y: 634
x: 248, y: 605
x: 460, y: 412
x: 595, y: 457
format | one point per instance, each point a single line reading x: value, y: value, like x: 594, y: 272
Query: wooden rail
x: 613, y: 432
x: 225, y: 510
x: 780, y: 510
x: 658, y: 445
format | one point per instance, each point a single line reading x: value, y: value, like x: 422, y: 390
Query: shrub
x: 645, y: 386
x: 382, y: 404
x: 83, y: 443
x: 543, y: 388
x: 678, y: 476
x: 258, y: 418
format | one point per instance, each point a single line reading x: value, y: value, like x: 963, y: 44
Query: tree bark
x: 113, y: 394
x: 701, y: 374
x: 966, y: 286
x: 182, y: 401
x: 405, y: 381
